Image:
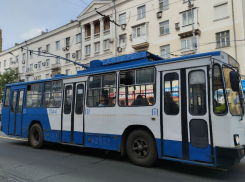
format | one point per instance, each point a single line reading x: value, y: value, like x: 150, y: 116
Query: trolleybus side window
x: 20, y: 103
x: 137, y: 87
x: 102, y: 90
x: 197, y: 93
x: 68, y: 99
x: 13, y: 102
x: 79, y: 99
x: 7, y: 97
x: 233, y: 97
x: 52, y: 94
x: 33, y: 95
x: 171, y: 93
x: 219, y: 104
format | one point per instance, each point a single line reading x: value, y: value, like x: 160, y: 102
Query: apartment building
x: 1, y: 40
x: 163, y: 27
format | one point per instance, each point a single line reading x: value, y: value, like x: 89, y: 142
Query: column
x: 101, y: 34
x: 92, y: 39
x: 83, y: 42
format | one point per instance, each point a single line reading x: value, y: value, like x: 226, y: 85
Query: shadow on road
x: 235, y: 173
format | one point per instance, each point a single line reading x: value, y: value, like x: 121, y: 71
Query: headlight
x: 236, y: 140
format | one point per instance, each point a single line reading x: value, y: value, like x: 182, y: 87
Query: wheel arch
x: 127, y: 131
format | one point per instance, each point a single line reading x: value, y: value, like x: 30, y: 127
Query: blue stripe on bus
x: 172, y: 148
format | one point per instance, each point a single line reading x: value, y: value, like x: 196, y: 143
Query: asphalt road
x: 20, y: 163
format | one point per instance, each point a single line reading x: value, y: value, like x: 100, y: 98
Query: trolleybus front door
x: 198, y: 115
x: 16, y: 107
x: 73, y: 110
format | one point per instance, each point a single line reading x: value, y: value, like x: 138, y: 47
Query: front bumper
x: 226, y: 157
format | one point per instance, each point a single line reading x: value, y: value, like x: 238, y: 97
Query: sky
x: 21, y: 20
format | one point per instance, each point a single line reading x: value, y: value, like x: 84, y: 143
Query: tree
x: 9, y: 76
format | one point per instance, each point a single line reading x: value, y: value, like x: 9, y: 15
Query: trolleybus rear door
x: 16, y: 105
x: 172, y: 137
x: 198, y: 114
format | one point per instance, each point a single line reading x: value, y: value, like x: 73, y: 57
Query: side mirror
x: 234, y: 79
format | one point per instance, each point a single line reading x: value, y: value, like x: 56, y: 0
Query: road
x: 20, y: 163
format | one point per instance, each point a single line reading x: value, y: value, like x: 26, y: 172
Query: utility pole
x: 234, y: 29
x: 193, y: 29
x: 115, y: 28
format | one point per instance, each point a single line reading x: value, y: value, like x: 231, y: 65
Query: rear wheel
x: 36, y: 136
x: 141, y: 148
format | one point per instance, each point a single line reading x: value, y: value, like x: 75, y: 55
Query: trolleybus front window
x: 232, y: 96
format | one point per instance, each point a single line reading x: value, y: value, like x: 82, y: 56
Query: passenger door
x: 73, y: 110
x: 16, y: 107
x: 198, y: 114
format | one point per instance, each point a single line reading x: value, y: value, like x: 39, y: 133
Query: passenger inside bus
x: 151, y: 101
x: 36, y: 104
x: 138, y: 101
x: 170, y: 106
x: 52, y: 103
x: 102, y: 101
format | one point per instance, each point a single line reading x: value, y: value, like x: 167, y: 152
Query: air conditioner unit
x: 35, y: 65
x: 43, y: 63
x: 122, y: 45
x: 23, y: 62
x: 177, y: 26
x: 111, y: 40
x: 123, y: 26
x: 73, y: 55
x: 119, y: 49
x: 67, y: 48
x: 43, y: 50
x: 35, y: 78
x: 64, y: 48
x: 159, y: 14
x: 190, y: 4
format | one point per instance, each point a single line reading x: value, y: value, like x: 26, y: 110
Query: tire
x: 141, y: 148
x: 36, y: 136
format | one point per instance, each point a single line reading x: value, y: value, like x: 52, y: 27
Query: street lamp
x: 18, y: 64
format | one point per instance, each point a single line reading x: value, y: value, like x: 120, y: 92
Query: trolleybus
x: 188, y: 109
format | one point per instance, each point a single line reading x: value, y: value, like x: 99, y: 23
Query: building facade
x: 163, y: 27
x: 1, y: 40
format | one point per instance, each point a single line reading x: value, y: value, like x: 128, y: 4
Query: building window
x: 57, y: 45
x: 141, y: 12
x: 33, y: 95
x: 47, y: 76
x: 106, y: 44
x: 11, y: 61
x: 137, y: 87
x: 164, y: 27
x: 78, y: 69
x: 78, y: 38
x: 48, y: 48
x: 223, y: 39
x: 39, y: 51
x: 165, y: 51
x: 106, y: 23
x: 31, y: 67
x: 4, y: 63
x: 187, y: 17
x: 24, y: 56
x: 87, y: 49
x: 139, y: 31
x: 163, y: 5
x: 23, y: 69
x: 87, y: 31
x: 122, y: 39
x: 48, y: 63
x: 17, y: 59
x: 39, y: 65
x: 122, y: 19
x: 221, y: 11
x: 31, y: 55
x: 68, y: 72
x: 78, y: 54
x: 185, y: 1
x: 0, y: 64
x: 67, y: 41
x: 187, y: 45
x: 57, y: 61
x: 102, y: 90
x: 68, y: 57
x: 97, y: 47
x: 39, y: 77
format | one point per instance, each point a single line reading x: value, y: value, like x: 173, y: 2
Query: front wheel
x: 141, y: 148
x: 36, y: 136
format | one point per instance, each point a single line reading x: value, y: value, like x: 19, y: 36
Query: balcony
x: 140, y: 42
x: 55, y: 73
x: 107, y: 32
x: 56, y: 66
x: 29, y: 72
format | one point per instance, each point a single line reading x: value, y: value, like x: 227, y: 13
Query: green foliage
x: 9, y: 76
